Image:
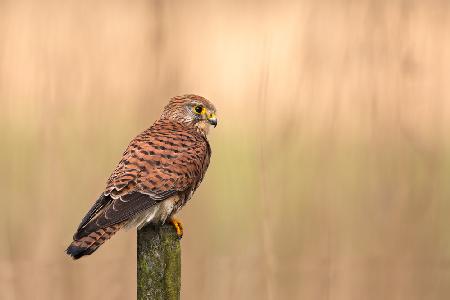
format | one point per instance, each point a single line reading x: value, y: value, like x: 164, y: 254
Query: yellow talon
x: 178, y: 226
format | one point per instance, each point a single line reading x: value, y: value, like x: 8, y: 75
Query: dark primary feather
x: 101, y: 202
x: 115, y: 212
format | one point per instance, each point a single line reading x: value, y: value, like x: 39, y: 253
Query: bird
x: 159, y: 171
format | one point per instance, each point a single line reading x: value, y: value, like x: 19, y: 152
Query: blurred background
x: 330, y: 175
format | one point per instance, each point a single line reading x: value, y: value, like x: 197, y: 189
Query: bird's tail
x: 88, y: 244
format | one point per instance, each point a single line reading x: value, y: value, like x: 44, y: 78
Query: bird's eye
x: 199, y: 109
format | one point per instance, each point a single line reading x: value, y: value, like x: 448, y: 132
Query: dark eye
x: 198, y: 109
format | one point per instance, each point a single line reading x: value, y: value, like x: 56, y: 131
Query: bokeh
x: 330, y: 175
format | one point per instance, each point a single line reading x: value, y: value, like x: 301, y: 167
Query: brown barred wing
x: 166, y: 159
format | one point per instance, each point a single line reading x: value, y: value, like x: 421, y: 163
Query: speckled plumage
x: 158, y: 173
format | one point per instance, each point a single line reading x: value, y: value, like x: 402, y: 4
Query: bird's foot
x: 178, y: 226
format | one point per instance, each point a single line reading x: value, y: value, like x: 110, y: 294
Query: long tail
x: 88, y: 244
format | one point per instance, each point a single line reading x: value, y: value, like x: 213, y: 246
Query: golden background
x: 330, y: 175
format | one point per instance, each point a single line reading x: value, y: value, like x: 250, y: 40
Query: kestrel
x: 158, y: 173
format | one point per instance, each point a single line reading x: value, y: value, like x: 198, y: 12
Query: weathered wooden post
x: 158, y: 263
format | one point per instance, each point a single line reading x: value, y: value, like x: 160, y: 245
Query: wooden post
x: 158, y: 263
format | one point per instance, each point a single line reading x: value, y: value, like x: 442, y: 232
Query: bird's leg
x: 178, y: 226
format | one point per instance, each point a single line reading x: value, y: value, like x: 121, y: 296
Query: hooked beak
x: 212, y: 119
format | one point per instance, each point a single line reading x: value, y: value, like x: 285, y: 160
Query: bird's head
x: 191, y: 110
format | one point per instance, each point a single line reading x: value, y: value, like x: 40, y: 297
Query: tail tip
x: 77, y: 252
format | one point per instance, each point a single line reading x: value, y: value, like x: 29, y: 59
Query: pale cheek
x: 185, y: 119
x: 203, y: 126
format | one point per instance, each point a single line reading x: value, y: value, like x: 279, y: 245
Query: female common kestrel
x: 157, y: 175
